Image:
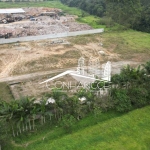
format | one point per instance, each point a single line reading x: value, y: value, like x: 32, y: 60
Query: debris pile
x: 38, y: 21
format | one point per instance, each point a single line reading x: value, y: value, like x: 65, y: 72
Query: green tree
x: 122, y: 102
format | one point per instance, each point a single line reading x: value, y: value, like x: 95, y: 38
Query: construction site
x: 24, y: 65
x: 25, y: 22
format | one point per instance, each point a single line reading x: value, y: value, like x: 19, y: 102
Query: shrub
x: 106, y: 21
x: 138, y: 96
x: 67, y: 122
x: 122, y: 102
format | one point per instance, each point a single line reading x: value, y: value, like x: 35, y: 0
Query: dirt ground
x: 46, y: 55
x: 49, y: 56
x: 29, y: 57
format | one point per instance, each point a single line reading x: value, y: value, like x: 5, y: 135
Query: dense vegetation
x: 129, y: 90
x: 129, y: 13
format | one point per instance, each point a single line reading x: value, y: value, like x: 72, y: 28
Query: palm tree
x: 43, y: 110
x: 25, y: 112
x: 8, y: 111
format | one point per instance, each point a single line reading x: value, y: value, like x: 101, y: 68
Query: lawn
x: 125, y: 132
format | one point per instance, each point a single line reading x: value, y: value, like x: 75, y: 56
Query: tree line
x: 129, y: 90
x: 129, y: 13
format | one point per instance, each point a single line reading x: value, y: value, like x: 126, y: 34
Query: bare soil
x: 29, y: 57
x: 25, y: 65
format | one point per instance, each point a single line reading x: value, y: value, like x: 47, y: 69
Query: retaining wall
x: 50, y: 36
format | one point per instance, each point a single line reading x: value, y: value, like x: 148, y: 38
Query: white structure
x: 107, y: 72
x: 80, y: 68
x: 11, y: 11
x: 94, y: 67
x: 82, y: 76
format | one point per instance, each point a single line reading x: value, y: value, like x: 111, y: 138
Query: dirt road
x: 116, y: 67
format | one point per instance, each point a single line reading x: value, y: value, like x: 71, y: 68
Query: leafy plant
x: 122, y: 102
x: 67, y: 122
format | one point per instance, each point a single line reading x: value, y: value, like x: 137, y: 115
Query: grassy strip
x: 50, y: 132
x: 123, y: 132
x: 5, y: 93
x: 130, y: 131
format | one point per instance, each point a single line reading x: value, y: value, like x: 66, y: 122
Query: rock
x: 102, y: 53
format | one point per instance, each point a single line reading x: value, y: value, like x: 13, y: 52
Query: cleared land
x: 29, y: 57
x: 48, y: 56
x: 126, y: 132
x: 125, y: 47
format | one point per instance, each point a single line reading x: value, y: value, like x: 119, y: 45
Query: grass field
x: 128, y: 43
x: 113, y: 131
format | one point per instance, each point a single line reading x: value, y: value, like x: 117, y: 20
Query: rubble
x: 38, y: 21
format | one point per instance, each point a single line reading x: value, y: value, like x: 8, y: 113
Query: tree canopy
x: 129, y: 13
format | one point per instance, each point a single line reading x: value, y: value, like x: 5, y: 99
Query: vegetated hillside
x: 130, y: 13
x: 130, y: 131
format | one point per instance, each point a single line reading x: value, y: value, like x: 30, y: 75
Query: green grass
x: 91, y: 20
x: 127, y: 42
x: 5, y: 93
x: 84, y: 39
x: 110, y: 132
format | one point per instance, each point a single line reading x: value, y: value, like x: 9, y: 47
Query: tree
x: 122, y: 102
x: 125, y: 12
x: 138, y: 96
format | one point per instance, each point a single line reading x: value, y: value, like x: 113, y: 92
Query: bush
x: 138, y: 96
x: 106, y: 21
x: 122, y: 102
